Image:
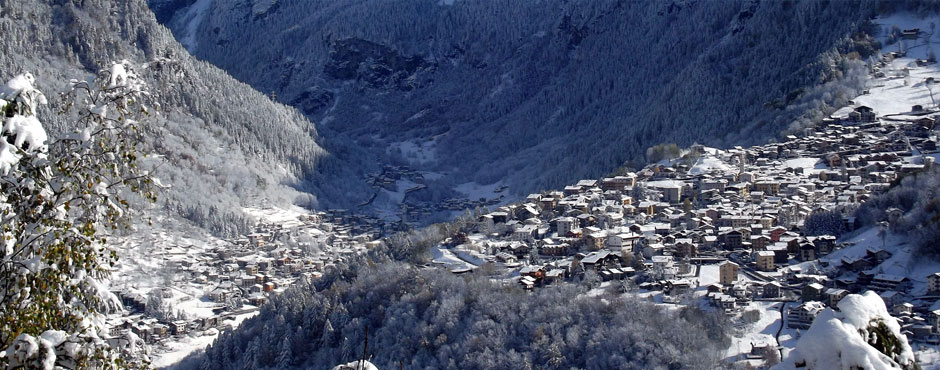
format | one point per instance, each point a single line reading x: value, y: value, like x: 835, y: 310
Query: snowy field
x: 709, y: 163
x: 665, y: 183
x: 449, y: 259
x: 475, y: 191
x: 896, y: 94
x: 144, y: 255
x: 809, y: 165
x: 416, y: 152
x: 901, y: 263
x: 170, y: 353
x: 761, y: 332
x: 287, y: 217
x: 707, y: 275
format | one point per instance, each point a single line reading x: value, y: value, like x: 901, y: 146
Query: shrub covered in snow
x: 356, y: 365
x: 861, y: 335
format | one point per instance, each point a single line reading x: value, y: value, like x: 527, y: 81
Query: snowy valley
x: 463, y: 184
x: 767, y: 235
x: 476, y: 98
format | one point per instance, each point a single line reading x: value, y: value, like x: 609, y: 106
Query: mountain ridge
x: 523, y: 92
x: 206, y: 119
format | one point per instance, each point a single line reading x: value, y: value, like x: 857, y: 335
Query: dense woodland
x: 916, y: 199
x: 536, y: 94
x: 432, y: 319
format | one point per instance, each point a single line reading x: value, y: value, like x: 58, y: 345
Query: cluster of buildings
x: 727, y: 223
x: 391, y: 175
x: 414, y: 210
x: 239, y: 276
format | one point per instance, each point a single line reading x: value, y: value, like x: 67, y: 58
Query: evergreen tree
x: 824, y: 223
x: 285, y: 354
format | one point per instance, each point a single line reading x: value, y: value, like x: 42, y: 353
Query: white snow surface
x: 261, y: 7
x: 835, y: 340
x: 448, y: 258
x: 808, y: 164
x: 287, y: 216
x: 27, y: 130
x: 416, y: 151
x: 665, y: 183
x: 176, y: 350
x: 902, y: 261
x: 8, y: 157
x: 356, y: 365
x: 758, y: 333
x: 118, y: 76
x: 21, y: 88
x: 895, y: 93
x: 16, y: 85
x: 475, y: 190
x: 708, y: 164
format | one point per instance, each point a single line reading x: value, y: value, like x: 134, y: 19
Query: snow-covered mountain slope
x: 533, y: 94
x: 218, y: 144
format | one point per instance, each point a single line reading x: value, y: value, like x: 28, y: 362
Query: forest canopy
x: 432, y: 319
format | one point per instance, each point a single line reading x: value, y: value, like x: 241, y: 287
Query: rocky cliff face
x: 376, y: 65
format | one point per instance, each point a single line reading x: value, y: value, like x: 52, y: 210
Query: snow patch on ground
x: 808, y: 164
x: 450, y: 260
x: 927, y: 356
x: 474, y: 190
x: 758, y: 333
x: 356, y: 365
x: 897, y: 93
x: 288, y: 217
x: 416, y: 151
x: 707, y: 275
x: 147, y: 251
x: 176, y: 351
x: 665, y: 183
x: 901, y: 263
x: 431, y: 176
x: 708, y: 164
x: 262, y: 6
x: 915, y: 48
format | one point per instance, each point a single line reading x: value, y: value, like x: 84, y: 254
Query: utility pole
x: 365, y: 346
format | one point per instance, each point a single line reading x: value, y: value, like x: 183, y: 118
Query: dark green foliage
x: 824, y: 223
x: 880, y: 337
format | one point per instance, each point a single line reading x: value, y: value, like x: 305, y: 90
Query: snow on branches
x: 22, y: 130
x: 861, y: 335
x: 61, y: 197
